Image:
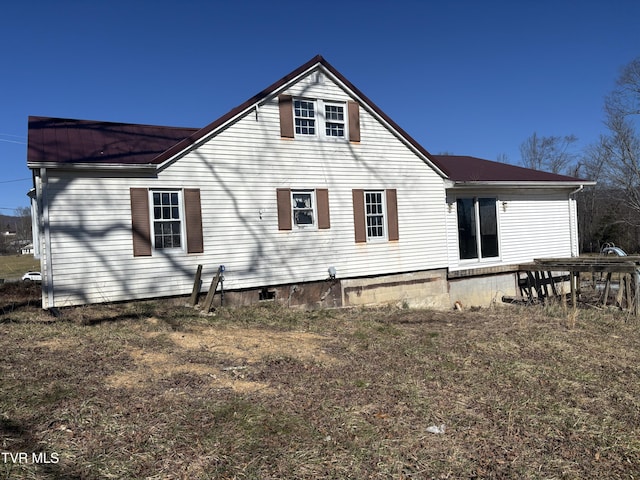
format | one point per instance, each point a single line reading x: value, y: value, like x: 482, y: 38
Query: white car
x: 32, y: 277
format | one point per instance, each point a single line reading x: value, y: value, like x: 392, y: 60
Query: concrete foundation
x: 324, y: 294
x: 482, y: 291
x: 417, y: 290
x: 426, y: 289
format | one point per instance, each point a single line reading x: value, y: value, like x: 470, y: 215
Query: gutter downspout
x: 575, y: 248
x: 577, y: 190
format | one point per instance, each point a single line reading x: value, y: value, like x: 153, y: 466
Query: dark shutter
x: 140, y: 224
x: 354, y: 121
x: 322, y: 197
x: 286, y: 116
x: 193, y: 220
x: 392, y: 214
x: 284, y: 208
x: 359, y: 220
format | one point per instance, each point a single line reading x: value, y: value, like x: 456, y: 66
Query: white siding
x: 237, y: 172
x: 531, y: 224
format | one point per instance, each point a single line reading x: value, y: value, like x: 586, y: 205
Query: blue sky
x: 463, y: 77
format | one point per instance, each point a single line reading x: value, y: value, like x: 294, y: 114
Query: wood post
x: 539, y: 275
x: 636, y: 292
x: 607, y: 285
x: 196, y: 287
x: 554, y: 290
x: 530, y: 284
x: 621, y: 291
x: 212, y: 290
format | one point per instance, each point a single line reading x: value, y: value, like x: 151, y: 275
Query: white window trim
x: 183, y: 232
x: 385, y: 218
x: 314, y: 209
x: 480, y: 258
x: 321, y: 121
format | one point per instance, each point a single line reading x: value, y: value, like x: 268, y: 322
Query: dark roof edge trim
x: 522, y: 184
x: 271, y: 90
x: 384, y: 117
x: 92, y: 166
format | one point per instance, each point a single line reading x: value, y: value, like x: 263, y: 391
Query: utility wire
x: 16, y: 180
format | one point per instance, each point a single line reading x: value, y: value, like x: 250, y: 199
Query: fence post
x: 196, y: 287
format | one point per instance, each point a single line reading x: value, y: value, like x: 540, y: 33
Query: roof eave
x: 519, y: 184
x: 92, y: 166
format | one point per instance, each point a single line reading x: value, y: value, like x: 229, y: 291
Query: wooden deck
x: 546, y: 278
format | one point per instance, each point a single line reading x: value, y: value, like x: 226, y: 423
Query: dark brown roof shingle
x: 67, y: 141
x: 471, y: 169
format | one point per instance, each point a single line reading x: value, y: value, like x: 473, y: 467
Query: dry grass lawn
x: 14, y: 266
x: 153, y: 390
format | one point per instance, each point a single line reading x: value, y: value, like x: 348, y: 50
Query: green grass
x: 155, y: 390
x: 14, y: 266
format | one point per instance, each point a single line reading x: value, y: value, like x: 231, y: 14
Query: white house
x: 307, y: 193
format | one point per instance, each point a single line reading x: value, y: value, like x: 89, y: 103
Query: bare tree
x: 23, y: 225
x: 502, y: 158
x: 609, y: 211
x: 620, y: 148
x: 552, y: 154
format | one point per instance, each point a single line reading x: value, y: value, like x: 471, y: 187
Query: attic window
x: 334, y: 120
x: 317, y: 118
x: 313, y: 117
x: 305, y: 117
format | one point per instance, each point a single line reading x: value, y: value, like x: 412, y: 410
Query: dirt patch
x: 152, y: 367
x: 252, y: 345
x: 236, y: 352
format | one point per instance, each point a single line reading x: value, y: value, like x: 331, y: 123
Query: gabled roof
x: 273, y: 89
x: 66, y: 142
x: 47, y: 141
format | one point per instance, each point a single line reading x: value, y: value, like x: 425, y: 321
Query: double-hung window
x: 305, y: 117
x: 375, y: 215
x: 303, y: 209
x: 314, y: 118
x: 302, y: 203
x: 167, y: 219
x: 477, y: 228
x: 334, y: 119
